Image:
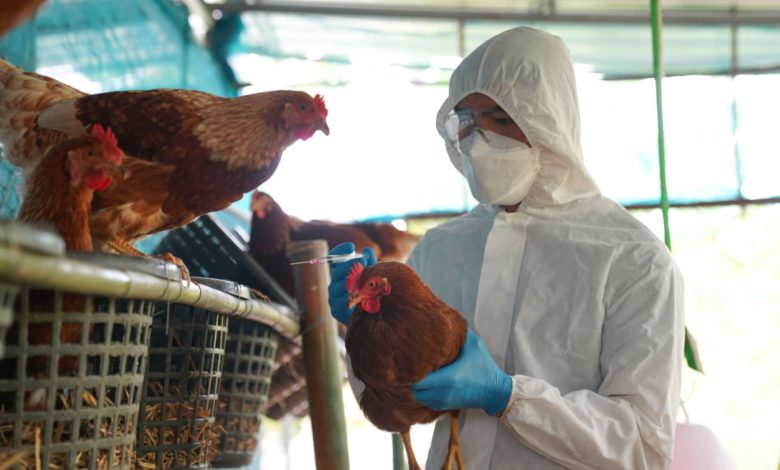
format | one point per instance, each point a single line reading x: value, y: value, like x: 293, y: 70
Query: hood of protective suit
x: 529, y: 74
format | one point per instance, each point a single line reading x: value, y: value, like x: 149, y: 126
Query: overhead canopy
x: 611, y: 38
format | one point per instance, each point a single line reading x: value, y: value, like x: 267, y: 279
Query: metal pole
x: 321, y: 357
x: 399, y: 455
x: 734, y: 108
x: 415, y: 12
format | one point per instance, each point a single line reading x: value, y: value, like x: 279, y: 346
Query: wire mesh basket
x: 176, y: 428
x: 32, y: 238
x: 70, y: 380
x: 246, y: 380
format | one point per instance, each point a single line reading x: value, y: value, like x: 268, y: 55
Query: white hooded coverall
x: 578, y: 301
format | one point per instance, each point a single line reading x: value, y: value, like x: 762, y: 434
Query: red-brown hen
x: 400, y: 331
x: 188, y: 152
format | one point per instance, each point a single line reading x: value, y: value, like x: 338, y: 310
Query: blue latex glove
x: 338, y: 298
x: 473, y: 380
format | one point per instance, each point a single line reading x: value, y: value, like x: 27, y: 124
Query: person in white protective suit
x: 575, y: 308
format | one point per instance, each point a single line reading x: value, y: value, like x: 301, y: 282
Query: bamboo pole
x: 656, y: 24
x: 19, y: 265
x: 321, y: 357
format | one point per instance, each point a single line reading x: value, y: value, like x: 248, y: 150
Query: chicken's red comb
x: 320, y: 102
x: 354, y: 275
x: 109, y: 140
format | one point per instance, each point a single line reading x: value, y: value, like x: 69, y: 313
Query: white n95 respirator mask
x: 500, y: 170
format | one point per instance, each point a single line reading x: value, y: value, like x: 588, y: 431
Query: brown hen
x: 189, y: 152
x: 399, y: 333
x: 59, y: 194
x: 272, y: 229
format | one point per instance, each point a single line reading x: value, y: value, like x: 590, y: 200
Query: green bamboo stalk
x: 691, y: 355
x: 658, y: 73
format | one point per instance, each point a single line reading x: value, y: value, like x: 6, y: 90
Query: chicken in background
x: 399, y: 332
x: 188, y: 152
x: 395, y: 244
x: 272, y: 229
x: 60, y: 193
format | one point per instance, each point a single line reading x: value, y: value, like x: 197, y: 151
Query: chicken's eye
x: 302, y: 107
x: 371, y: 284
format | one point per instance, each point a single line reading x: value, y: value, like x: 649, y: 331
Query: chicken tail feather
x: 23, y: 96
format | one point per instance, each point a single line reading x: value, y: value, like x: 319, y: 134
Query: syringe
x: 330, y: 259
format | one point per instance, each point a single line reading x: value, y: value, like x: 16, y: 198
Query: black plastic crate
x: 210, y: 250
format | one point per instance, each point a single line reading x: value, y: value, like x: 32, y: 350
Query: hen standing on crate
x: 188, y: 152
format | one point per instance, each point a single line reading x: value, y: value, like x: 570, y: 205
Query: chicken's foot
x: 121, y: 246
x: 413, y: 465
x: 454, y: 451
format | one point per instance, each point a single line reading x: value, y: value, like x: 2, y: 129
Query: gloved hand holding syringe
x: 330, y: 259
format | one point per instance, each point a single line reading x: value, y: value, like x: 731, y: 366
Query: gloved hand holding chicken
x: 474, y: 380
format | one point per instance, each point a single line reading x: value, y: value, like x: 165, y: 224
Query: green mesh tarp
x: 18, y: 46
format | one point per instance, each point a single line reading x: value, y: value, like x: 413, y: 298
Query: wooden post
x: 321, y: 357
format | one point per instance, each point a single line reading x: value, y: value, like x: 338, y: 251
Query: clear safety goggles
x: 459, y: 124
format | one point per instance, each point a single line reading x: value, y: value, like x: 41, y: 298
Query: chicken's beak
x: 115, y: 172
x: 323, y: 126
x: 354, y: 301
x: 120, y: 173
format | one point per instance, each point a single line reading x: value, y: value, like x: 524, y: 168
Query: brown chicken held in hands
x: 399, y: 333
x: 188, y: 152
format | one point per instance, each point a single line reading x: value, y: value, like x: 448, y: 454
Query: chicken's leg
x: 413, y: 465
x: 454, y: 452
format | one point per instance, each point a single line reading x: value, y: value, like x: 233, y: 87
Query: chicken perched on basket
x: 62, y: 186
x: 187, y: 152
x: 60, y: 193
